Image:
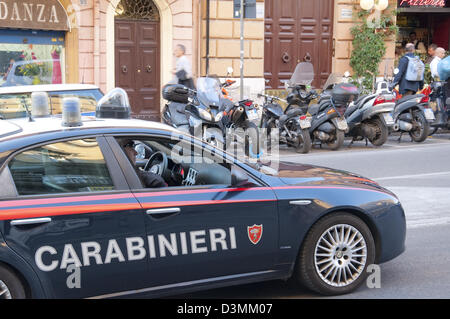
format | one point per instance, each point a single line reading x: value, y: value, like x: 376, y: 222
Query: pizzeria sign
x: 421, y: 3
x: 33, y: 14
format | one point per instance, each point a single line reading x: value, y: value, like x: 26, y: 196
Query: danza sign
x: 33, y: 14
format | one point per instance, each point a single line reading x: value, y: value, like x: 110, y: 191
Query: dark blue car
x: 77, y: 220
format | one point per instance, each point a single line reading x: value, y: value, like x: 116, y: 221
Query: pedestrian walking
x: 411, y: 72
x: 439, y: 55
x: 183, y: 70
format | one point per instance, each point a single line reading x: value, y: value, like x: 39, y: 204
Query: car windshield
x: 208, y: 91
x: 303, y: 74
x: 15, y: 105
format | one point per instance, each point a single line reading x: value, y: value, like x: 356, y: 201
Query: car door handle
x: 30, y: 221
x: 301, y: 202
x: 163, y: 211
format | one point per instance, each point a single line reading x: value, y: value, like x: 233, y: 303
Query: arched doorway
x: 137, y: 56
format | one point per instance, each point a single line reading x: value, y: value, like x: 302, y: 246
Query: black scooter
x: 441, y: 102
x: 293, y: 125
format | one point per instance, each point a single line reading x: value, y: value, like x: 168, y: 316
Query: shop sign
x: 33, y: 14
x: 421, y: 3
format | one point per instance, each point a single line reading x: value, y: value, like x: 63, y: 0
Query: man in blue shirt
x: 406, y: 87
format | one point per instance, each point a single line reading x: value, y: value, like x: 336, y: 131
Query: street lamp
x: 379, y: 5
x: 366, y: 4
x: 382, y: 5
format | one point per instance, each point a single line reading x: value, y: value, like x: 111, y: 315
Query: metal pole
x: 207, y: 35
x: 242, y: 50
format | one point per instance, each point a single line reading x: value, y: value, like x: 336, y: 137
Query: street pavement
x: 419, y: 174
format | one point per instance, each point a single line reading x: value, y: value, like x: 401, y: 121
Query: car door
x: 206, y: 233
x: 74, y: 219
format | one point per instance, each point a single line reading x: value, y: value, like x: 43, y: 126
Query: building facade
x: 130, y: 43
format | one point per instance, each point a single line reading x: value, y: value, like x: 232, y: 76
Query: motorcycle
x: 370, y: 116
x: 413, y: 115
x: 292, y: 125
x: 240, y: 120
x: 439, y: 104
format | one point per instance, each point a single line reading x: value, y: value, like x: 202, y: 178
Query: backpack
x: 416, y: 69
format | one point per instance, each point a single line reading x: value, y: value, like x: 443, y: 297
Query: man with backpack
x: 411, y: 72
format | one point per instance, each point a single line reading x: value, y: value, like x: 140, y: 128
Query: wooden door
x: 138, y: 65
x: 295, y: 31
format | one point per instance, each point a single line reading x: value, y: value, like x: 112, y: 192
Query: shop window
x: 31, y: 57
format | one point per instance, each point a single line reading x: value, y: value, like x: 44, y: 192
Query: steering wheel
x: 157, y: 164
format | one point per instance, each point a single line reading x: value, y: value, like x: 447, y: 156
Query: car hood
x: 310, y: 175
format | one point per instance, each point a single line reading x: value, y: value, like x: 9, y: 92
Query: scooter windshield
x: 333, y: 79
x: 208, y: 91
x: 303, y: 74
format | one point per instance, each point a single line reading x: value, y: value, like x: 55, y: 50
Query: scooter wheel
x: 304, y: 142
x: 382, y: 133
x: 419, y: 133
x: 338, y: 141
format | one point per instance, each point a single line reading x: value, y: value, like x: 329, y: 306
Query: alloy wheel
x: 340, y: 255
x: 4, y: 291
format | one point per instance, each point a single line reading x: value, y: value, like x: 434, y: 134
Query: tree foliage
x: 369, y: 45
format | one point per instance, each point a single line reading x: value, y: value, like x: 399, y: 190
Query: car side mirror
x: 238, y: 178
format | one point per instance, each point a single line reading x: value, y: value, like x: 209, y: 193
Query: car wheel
x: 335, y: 254
x: 10, y: 286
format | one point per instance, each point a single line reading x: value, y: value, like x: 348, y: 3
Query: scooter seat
x: 313, y: 109
x: 360, y: 99
x: 406, y: 98
x: 290, y: 114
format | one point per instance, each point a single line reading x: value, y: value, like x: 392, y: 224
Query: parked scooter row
x: 340, y: 111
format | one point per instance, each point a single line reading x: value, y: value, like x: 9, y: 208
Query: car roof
x: 21, y: 127
x: 46, y: 88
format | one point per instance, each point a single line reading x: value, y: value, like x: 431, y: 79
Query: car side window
x: 64, y: 167
x: 180, y: 163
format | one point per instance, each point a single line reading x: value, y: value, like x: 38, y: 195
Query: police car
x: 77, y: 221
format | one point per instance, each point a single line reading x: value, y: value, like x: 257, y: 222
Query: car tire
x: 340, y: 270
x: 10, y: 285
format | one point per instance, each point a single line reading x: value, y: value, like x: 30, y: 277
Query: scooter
x: 299, y: 87
x: 412, y: 115
x: 328, y: 124
x: 198, y: 113
x: 441, y: 109
x: 293, y: 126
x: 370, y: 116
